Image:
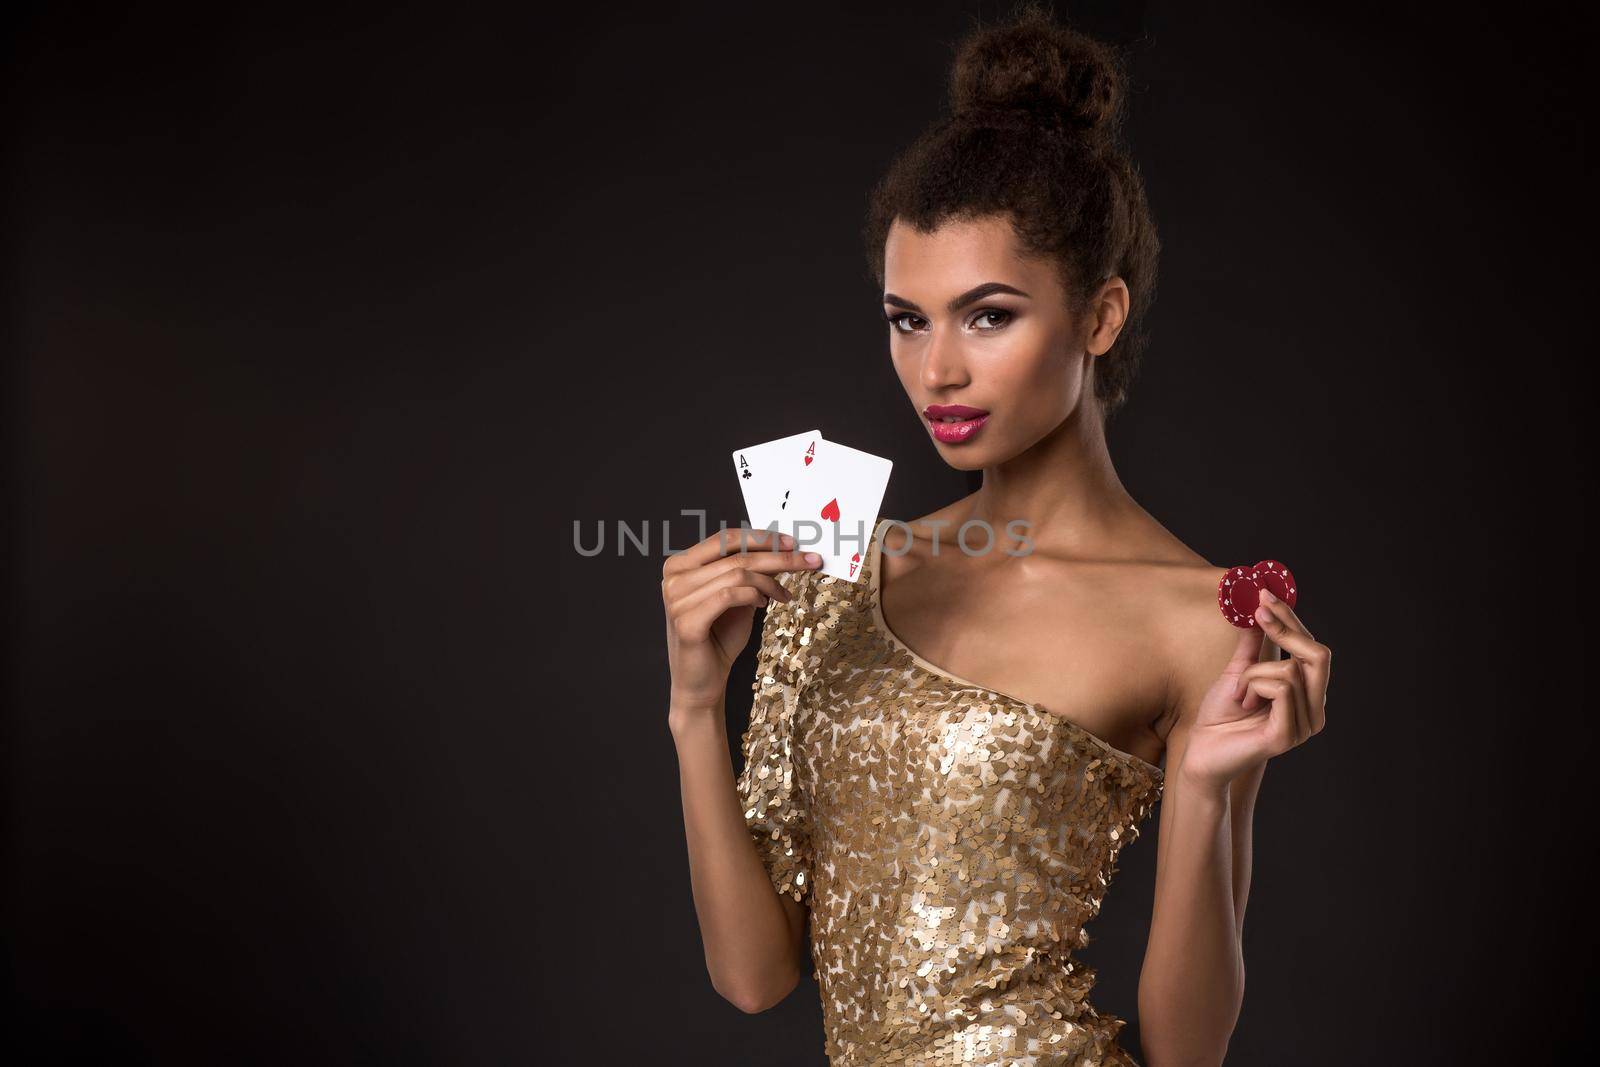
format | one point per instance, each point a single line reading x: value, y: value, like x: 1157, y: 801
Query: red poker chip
x: 1239, y: 592
x: 1272, y: 575
x: 1237, y: 596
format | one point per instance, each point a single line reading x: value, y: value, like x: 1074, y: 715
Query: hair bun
x: 1036, y: 66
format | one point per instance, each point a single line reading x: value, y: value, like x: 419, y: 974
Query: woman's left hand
x: 1257, y: 710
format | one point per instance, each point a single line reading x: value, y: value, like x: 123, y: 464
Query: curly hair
x: 1035, y: 134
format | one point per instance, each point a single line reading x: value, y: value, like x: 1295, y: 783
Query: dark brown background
x: 322, y: 744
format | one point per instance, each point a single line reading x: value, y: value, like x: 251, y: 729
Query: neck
x: 1065, y: 487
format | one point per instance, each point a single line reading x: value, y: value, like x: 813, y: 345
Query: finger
x: 1287, y: 671
x: 1247, y: 655
x: 1280, y: 621
x: 768, y: 562
x: 1280, y: 720
x: 1294, y: 674
x: 1246, y: 650
x: 1281, y: 624
x: 1249, y: 700
x: 695, y: 624
x: 1317, y: 698
x: 724, y: 542
x: 735, y: 576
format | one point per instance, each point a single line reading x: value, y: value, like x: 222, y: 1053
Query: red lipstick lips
x: 954, y: 423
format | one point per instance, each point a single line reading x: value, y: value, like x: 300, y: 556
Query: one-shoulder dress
x: 949, y: 841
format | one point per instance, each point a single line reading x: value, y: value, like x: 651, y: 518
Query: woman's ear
x: 1107, y: 312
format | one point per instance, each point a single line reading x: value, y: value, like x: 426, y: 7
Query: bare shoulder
x: 1190, y: 618
x: 915, y: 538
x: 1197, y: 641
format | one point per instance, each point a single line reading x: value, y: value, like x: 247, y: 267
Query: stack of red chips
x: 1239, y: 592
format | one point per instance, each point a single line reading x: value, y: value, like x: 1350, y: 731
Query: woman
x: 947, y: 838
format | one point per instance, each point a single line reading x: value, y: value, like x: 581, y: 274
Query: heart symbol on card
x: 831, y: 510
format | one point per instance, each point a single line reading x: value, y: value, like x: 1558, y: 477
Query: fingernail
x: 786, y: 541
x: 812, y: 558
x: 1263, y: 614
x: 1266, y: 594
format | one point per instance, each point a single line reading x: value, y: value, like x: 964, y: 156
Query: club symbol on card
x: 830, y: 511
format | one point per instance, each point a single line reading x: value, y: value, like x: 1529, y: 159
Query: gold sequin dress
x: 950, y: 841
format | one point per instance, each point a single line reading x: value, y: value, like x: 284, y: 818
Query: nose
x: 944, y: 365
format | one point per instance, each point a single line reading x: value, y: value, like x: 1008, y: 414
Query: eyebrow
x: 970, y: 296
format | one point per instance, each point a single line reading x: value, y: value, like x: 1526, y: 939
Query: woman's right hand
x: 711, y: 592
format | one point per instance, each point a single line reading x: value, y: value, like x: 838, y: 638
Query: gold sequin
x: 950, y: 842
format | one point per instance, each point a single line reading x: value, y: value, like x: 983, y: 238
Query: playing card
x: 772, y: 473
x: 841, y: 499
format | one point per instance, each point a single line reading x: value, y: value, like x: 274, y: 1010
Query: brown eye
x: 984, y: 314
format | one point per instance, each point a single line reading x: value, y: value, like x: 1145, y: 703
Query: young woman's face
x: 973, y: 323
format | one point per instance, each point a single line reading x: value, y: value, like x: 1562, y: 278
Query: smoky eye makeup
x: 893, y: 319
x: 982, y: 315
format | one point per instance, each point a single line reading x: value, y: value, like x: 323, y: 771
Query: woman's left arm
x: 1192, y: 984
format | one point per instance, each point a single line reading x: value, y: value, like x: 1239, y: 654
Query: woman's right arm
x: 751, y: 934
